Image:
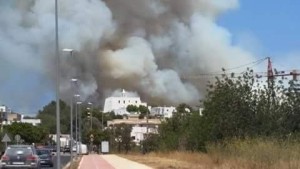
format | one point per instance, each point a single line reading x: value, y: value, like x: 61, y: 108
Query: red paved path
x: 94, y: 161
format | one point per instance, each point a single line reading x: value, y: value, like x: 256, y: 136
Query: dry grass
x: 75, y: 164
x: 250, y: 154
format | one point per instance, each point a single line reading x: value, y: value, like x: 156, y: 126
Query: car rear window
x: 18, y: 151
x: 41, y: 152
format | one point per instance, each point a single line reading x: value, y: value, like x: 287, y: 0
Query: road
x: 65, y: 158
x: 95, y: 161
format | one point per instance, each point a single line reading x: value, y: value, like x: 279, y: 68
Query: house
x: 139, y: 127
x: 165, y: 112
x: 19, y: 118
x: 4, y: 110
x: 34, y: 122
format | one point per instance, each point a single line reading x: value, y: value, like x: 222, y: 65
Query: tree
x: 48, y: 117
x: 28, y: 132
x: 184, y: 131
x: 132, y: 108
x: 122, y: 137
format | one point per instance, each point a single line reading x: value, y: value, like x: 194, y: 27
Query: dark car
x: 66, y: 149
x: 52, y: 148
x: 20, y: 156
x: 46, y: 158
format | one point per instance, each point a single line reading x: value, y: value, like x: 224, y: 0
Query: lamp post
x: 57, y: 88
x: 71, y: 119
x: 102, y: 121
x: 73, y: 80
x: 76, y: 122
x: 91, y: 118
x: 79, y: 126
x: 91, y: 114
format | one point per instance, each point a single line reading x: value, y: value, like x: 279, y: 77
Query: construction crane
x: 271, y: 73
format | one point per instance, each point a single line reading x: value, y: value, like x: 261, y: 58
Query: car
x: 20, y: 156
x: 66, y: 149
x: 74, y: 149
x: 46, y: 157
x: 52, y: 148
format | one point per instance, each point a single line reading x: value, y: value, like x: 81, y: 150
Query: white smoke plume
x: 148, y: 46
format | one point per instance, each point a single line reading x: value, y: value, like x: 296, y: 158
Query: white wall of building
x: 3, y: 109
x: 166, y: 112
x: 3, y: 112
x: 138, y: 132
x: 119, y: 104
x: 34, y: 122
x: 201, y: 111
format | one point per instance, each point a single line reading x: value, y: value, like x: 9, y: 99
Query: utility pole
x: 102, y: 121
x: 91, y: 113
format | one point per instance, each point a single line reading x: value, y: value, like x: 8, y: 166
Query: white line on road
x: 79, y: 166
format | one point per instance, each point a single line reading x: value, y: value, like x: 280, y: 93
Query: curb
x: 67, y: 165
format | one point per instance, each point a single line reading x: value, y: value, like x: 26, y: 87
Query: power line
x: 220, y: 73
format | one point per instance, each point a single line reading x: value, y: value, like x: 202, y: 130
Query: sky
x: 271, y: 26
x: 268, y: 28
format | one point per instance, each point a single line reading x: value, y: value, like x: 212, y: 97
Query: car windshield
x: 19, y: 151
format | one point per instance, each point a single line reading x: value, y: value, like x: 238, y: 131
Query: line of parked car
x: 29, y: 156
x: 26, y: 156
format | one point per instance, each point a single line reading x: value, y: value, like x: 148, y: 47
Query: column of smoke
x: 146, y: 46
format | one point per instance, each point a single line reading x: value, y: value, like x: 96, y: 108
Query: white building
x: 16, y: 117
x: 34, y: 122
x: 165, y: 112
x: 138, y: 132
x: 3, y: 108
x: 119, y: 104
x: 3, y: 112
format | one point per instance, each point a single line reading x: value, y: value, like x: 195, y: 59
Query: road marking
x: 79, y: 166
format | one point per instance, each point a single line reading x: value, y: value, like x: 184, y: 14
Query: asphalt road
x: 64, y: 159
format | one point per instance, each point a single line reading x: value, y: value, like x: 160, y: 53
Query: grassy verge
x: 75, y: 164
x: 234, y: 154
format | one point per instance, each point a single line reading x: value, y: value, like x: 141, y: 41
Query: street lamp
x: 91, y: 118
x: 58, y: 164
x: 76, y: 122
x: 71, y: 118
x: 79, y: 126
x: 91, y: 114
x: 73, y: 80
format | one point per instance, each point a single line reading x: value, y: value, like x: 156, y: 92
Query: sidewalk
x: 95, y: 161
x: 122, y: 163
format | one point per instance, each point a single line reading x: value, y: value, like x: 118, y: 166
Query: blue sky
x: 273, y: 23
